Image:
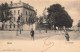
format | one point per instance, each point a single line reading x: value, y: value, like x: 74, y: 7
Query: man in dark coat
x: 32, y: 34
x: 67, y: 36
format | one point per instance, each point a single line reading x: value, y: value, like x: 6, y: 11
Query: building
x: 22, y: 10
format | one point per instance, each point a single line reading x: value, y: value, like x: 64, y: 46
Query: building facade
x: 22, y: 10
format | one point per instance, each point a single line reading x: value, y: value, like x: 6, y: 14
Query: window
x: 21, y: 14
x: 29, y: 13
x: 10, y: 13
x: 18, y: 11
x: 26, y: 12
x: 6, y: 25
x: 10, y: 25
x: 14, y: 12
x: 26, y: 19
x: 14, y: 25
x: 14, y: 19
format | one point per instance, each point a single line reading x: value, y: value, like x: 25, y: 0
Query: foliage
x: 31, y: 19
x: 40, y: 19
x: 57, y: 16
x: 4, y: 12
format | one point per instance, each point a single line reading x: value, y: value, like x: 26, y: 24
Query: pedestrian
x: 32, y: 34
x: 67, y: 36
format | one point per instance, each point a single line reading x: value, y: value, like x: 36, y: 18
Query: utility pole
x: 45, y: 16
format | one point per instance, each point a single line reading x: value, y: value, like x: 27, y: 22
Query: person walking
x: 32, y: 34
x: 67, y: 36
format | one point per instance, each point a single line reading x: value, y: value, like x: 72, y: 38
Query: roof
x: 21, y: 4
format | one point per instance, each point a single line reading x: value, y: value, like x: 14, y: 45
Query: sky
x: 71, y: 6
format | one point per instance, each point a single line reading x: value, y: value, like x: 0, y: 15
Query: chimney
x: 11, y: 3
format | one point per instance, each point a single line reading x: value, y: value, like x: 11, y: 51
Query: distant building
x: 76, y: 27
x: 22, y: 10
x: 79, y: 25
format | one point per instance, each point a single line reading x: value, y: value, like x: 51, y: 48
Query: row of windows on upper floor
x: 14, y: 19
x: 14, y: 12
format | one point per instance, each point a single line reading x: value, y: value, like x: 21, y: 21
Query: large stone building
x: 22, y: 10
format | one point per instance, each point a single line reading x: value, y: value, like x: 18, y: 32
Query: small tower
x: 45, y: 11
x: 19, y: 1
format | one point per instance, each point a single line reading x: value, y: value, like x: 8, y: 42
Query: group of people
x: 66, y: 34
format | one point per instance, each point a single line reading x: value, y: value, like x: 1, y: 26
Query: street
x: 25, y: 35
x: 43, y: 42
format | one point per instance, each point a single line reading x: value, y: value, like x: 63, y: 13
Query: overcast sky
x: 71, y: 6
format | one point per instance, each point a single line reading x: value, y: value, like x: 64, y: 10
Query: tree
x: 4, y: 12
x: 0, y: 12
x: 31, y: 19
x: 57, y: 16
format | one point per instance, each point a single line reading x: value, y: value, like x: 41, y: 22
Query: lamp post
x: 20, y: 27
x: 46, y: 27
x: 19, y: 23
x: 17, y: 28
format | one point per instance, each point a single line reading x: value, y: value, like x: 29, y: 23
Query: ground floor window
x: 10, y: 25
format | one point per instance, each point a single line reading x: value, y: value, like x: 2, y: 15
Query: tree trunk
x: 3, y: 23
